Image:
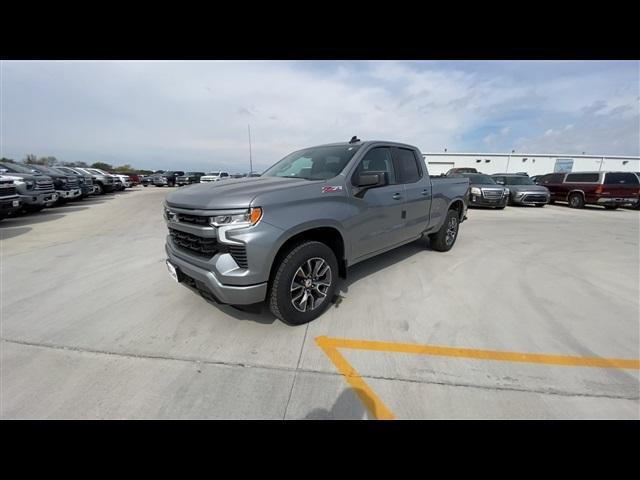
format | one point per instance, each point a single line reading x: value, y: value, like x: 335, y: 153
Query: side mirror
x: 372, y: 179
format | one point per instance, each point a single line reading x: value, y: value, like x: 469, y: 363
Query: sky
x: 194, y: 115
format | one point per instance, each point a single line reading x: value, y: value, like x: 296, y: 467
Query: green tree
x: 102, y: 166
x: 124, y: 168
x: 7, y: 160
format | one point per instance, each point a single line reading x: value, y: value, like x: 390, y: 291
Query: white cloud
x: 195, y: 114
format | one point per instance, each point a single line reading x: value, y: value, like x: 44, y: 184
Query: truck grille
x: 7, y: 189
x: 208, y: 247
x: 88, y: 181
x: 204, y: 247
x: 535, y: 198
x: 43, y: 185
x: 193, y: 219
x: 492, y: 194
x: 72, y: 182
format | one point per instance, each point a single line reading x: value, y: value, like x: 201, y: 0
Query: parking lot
x: 533, y: 314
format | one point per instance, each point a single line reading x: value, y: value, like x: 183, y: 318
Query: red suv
x: 609, y: 189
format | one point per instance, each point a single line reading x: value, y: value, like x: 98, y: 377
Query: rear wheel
x: 576, y: 200
x: 445, y: 238
x: 304, y: 284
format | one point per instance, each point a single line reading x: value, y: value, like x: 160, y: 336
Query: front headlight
x: 248, y: 218
x: 506, y: 191
x: 475, y: 191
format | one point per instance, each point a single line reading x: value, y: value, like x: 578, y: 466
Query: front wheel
x: 445, y: 238
x: 304, y: 284
x: 100, y: 189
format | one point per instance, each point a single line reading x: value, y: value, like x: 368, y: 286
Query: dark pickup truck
x: 189, y: 178
x: 288, y: 235
x: 36, y: 191
x: 9, y: 198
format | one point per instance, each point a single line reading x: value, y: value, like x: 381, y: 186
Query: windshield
x: 16, y: 167
x: 480, y: 179
x: 518, y: 181
x: 317, y: 163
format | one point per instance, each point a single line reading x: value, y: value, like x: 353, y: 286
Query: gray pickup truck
x: 290, y: 234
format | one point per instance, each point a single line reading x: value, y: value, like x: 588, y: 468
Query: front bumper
x: 69, y: 194
x: 480, y: 201
x: 9, y: 205
x: 207, y: 281
x: 531, y: 198
x: 38, y: 198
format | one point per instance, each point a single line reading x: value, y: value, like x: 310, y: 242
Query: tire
x: 610, y: 207
x: 501, y: 207
x: 144, y: 185
x: 576, y: 200
x: 540, y: 205
x: 100, y: 189
x: 551, y: 202
x: 300, y: 261
x: 445, y: 238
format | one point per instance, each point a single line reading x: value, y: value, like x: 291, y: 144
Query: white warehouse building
x: 531, y: 163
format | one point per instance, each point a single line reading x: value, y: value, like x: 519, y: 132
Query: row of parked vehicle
x: 610, y: 190
x: 179, y: 178
x: 30, y: 188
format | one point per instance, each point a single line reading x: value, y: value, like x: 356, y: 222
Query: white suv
x: 214, y: 176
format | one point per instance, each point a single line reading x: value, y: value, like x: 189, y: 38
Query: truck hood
x: 230, y: 194
x: 24, y: 176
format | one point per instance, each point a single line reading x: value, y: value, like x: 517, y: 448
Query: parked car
x: 484, y: 191
x: 35, y: 190
x: 86, y: 181
x: 124, y: 180
x: 214, y: 177
x: 167, y: 179
x: 103, y: 180
x: 67, y: 186
x: 189, y: 178
x: 9, y: 198
x: 522, y: 191
x: 453, y: 171
x: 608, y: 189
x: 293, y: 231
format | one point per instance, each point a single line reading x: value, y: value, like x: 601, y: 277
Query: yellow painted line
x: 380, y: 411
x: 377, y: 408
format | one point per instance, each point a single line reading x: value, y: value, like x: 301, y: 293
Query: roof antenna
x: 354, y: 139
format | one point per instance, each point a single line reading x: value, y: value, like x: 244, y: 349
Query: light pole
x: 250, y: 159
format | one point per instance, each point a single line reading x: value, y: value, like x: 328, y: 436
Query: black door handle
x: 425, y: 192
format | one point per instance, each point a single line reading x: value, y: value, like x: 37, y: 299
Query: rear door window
x: 582, y: 178
x: 407, y: 165
x: 620, y: 178
x: 552, y: 178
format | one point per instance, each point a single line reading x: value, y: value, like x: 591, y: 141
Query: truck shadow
x: 29, y: 219
x: 348, y: 406
x: 380, y: 262
x: 260, y: 312
x: 13, y: 232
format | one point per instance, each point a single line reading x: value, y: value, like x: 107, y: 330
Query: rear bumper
x: 624, y: 201
x: 207, y: 281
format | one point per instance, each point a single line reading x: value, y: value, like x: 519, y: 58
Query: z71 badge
x: 332, y: 189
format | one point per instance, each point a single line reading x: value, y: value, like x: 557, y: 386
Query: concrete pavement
x: 93, y: 327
